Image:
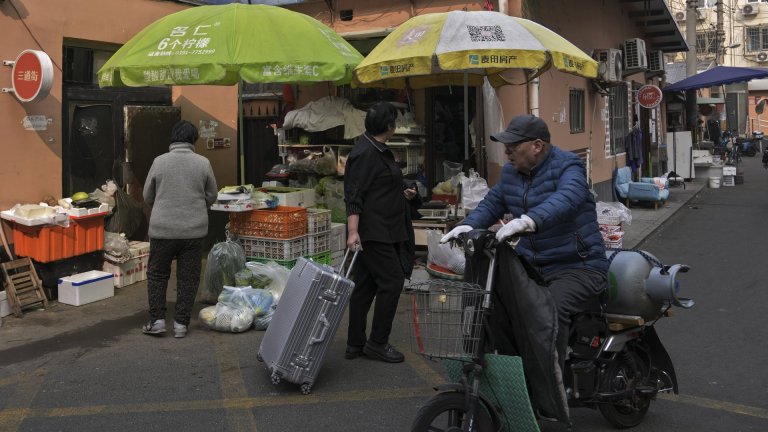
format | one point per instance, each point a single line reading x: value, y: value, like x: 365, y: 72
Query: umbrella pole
x: 466, y: 116
x: 240, y: 130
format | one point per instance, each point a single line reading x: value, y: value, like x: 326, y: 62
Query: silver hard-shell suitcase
x: 310, y: 311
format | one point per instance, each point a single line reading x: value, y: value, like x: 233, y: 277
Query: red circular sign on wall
x: 32, y: 75
x: 649, y: 96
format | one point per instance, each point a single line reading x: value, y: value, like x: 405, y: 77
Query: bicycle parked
x: 615, y: 363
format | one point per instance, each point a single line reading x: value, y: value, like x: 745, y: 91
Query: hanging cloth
x: 633, y: 143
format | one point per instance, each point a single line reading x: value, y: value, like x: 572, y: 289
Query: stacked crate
x: 338, y: 243
x: 319, y: 235
x: 278, y: 234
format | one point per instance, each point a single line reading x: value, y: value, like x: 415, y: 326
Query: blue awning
x: 717, y: 76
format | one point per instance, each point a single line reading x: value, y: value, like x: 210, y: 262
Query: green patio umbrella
x: 223, y: 44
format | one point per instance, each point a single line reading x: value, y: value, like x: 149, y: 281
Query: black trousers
x: 188, y: 254
x: 378, y: 274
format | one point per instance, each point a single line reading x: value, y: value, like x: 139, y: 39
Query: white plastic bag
x: 444, y: 255
x: 473, y: 190
x: 614, y: 213
x: 273, y: 271
x: 226, y: 318
x: 258, y: 300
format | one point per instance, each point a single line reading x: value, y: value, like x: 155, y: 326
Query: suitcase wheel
x: 275, y: 378
x: 306, y: 388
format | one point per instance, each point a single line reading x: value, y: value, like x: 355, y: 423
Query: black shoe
x: 353, y: 352
x: 386, y: 352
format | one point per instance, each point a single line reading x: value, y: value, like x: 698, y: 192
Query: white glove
x: 452, y: 234
x: 523, y: 224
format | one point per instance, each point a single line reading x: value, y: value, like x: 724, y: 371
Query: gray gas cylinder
x: 627, y: 277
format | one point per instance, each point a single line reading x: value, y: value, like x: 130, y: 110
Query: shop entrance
x: 445, y: 130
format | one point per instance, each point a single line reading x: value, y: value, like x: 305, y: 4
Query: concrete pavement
x: 130, y: 302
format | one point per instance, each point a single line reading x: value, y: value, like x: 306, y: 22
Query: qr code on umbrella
x: 485, y: 33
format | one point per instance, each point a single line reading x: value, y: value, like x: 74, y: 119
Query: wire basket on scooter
x: 445, y: 318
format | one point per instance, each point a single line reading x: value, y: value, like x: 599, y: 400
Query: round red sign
x: 32, y: 75
x: 649, y: 96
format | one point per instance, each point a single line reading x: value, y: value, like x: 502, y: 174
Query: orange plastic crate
x: 281, y: 222
x: 48, y: 243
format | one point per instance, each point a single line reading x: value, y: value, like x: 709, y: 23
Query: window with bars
x: 618, y: 114
x: 706, y: 42
x: 576, y: 110
x: 756, y: 38
x: 706, y: 3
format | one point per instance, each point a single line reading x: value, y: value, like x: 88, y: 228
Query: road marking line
x: 243, y: 403
x: 23, y: 395
x: 233, y: 386
x: 717, y: 405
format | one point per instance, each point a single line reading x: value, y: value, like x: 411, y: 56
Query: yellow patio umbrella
x: 439, y: 48
x: 458, y: 47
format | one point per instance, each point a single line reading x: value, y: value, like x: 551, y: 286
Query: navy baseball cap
x: 522, y: 128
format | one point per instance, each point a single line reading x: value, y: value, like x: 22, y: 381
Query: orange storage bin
x: 48, y: 243
x: 282, y: 222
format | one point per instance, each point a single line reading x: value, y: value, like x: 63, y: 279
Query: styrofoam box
x: 128, y: 272
x: 88, y: 287
x: 5, y: 307
x: 293, y: 197
x: 338, y: 236
x: 729, y: 170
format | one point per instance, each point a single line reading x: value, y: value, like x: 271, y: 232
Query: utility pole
x: 691, y: 108
x: 720, y: 35
x: 690, y: 36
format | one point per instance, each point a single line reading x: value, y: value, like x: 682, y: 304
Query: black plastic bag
x: 127, y: 217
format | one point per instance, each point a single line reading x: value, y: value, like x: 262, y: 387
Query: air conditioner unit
x: 655, y: 61
x: 634, y: 54
x: 749, y: 10
x: 679, y: 16
x: 761, y: 57
x: 610, y: 68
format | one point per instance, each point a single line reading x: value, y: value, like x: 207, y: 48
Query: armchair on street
x: 648, y: 189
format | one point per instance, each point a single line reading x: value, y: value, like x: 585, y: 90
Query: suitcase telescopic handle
x: 352, y: 263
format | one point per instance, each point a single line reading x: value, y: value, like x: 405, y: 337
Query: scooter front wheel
x: 447, y: 412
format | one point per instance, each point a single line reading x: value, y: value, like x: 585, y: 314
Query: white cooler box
x: 88, y: 287
x: 5, y: 308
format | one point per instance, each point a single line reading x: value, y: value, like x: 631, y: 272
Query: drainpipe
x: 533, y: 97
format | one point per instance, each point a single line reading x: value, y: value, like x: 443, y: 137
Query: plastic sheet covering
x: 224, y: 261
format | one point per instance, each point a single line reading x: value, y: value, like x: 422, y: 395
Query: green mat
x: 504, y: 385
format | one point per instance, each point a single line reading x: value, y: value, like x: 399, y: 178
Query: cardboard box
x: 127, y: 272
x: 88, y: 287
x: 5, y: 307
x: 292, y: 197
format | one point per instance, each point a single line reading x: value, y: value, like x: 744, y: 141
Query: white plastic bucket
x: 714, y: 182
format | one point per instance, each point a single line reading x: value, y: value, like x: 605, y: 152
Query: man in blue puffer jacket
x: 545, y: 189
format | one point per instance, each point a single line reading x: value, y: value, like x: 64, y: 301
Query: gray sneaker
x: 179, y: 330
x: 155, y: 328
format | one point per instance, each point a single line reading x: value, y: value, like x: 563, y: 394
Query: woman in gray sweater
x: 180, y: 187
